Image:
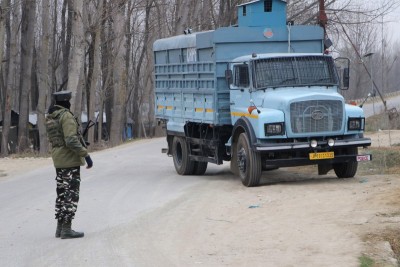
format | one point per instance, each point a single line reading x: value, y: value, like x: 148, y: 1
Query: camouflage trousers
x: 68, y: 182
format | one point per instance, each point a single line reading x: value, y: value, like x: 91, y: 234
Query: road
x: 376, y: 106
x: 123, y: 183
x: 136, y: 211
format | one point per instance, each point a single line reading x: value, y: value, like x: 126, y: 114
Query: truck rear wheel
x: 180, y: 153
x: 248, y: 161
x: 200, y: 167
x: 347, y: 169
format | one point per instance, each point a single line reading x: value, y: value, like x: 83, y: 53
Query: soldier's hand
x: 89, y: 162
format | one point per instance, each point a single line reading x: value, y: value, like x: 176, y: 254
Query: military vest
x: 54, y: 130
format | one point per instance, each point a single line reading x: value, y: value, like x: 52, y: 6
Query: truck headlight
x: 356, y: 124
x: 274, y: 129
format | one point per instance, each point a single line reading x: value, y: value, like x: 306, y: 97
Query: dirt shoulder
x: 294, y: 217
x: 11, y: 166
x: 384, y: 138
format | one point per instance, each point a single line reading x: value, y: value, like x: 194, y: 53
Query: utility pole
x: 322, y: 18
x: 365, y: 67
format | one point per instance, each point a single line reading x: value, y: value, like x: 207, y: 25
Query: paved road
x: 376, y: 106
x: 124, y: 182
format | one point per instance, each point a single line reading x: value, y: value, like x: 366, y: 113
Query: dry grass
x: 390, y: 235
x: 384, y: 161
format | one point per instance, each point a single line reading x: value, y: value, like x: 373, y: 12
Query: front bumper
x: 272, y: 147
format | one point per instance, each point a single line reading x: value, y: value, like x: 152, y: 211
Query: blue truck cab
x: 262, y: 95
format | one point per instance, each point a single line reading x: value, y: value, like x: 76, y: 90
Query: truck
x: 262, y: 94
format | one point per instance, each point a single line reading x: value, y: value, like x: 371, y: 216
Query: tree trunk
x: 66, y: 33
x: 6, y: 109
x: 119, y: 76
x: 75, y: 65
x: 54, y: 54
x: 181, y: 23
x: 43, y: 74
x: 27, y: 45
x: 95, y: 75
x: 106, y: 68
x: 11, y: 77
x: 3, y: 10
x: 137, y: 76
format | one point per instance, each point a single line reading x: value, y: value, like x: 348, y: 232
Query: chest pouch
x: 54, y: 131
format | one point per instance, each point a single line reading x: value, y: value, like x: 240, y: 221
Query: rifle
x: 89, y: 125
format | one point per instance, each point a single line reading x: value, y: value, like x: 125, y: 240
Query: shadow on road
x: 279, y: 176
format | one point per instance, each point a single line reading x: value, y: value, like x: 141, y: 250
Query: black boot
x: 58, y: 230
x: 67, y: 232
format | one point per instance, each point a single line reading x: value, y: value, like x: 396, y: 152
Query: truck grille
x: 316, y: 116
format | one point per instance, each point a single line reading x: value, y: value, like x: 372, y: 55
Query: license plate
x: 363, y: 157
x: 322, y: 155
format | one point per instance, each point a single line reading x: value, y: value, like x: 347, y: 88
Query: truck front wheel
x: 180, y: 153
x: 347, y: 169
x: 248, y: 162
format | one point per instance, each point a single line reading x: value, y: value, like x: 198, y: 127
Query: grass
x: 384, y: 161
x: 366, y: 261
x: 382, y: 121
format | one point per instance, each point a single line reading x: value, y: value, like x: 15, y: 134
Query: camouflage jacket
x: 70, y: 152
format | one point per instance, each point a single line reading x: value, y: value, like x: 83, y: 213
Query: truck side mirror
x: 343, y: 63
x: 346, y: 79
x: 228, y: 76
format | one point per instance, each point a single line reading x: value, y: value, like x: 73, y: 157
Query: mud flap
x: 324, y: 168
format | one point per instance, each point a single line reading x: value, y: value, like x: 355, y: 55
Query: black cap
x: 62, y: 96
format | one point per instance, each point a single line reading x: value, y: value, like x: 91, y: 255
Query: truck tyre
x: 248, y: 161
x: 347, y: 169
x: 180, y: 153
x: 200, y: 167
x: 234, y: 162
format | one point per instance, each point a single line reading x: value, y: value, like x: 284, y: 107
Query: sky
x: 394, y: 26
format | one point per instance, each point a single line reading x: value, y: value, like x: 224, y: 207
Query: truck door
x: 239, y: 90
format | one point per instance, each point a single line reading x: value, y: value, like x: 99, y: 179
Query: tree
x: 44, y: 77
x: 5, y: 21
x: 27, y: 46
x: 137, y: 95
x: 94, y: 67
x: 119, y: 74
x: 75, y: 64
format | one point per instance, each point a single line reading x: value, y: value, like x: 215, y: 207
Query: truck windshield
x: 294, y: 71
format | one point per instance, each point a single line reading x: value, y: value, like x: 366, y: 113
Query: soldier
x: 68, y: 153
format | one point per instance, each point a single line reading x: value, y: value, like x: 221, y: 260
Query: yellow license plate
x: 322, y: 155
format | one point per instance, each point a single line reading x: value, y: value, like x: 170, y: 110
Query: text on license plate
x: 322, y: 155
x: 363, y: 157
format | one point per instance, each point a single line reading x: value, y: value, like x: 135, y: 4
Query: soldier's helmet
x: 62, y: 96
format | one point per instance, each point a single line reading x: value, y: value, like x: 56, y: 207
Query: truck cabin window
x: 295, y: 71
x: 241, y: 76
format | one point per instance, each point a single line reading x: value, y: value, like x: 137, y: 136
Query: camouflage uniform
x: 68, y: 182
x: 68, y: 153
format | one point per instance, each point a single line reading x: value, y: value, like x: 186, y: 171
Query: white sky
x: 394, y: 26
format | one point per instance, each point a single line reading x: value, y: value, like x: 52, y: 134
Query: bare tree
x: 95, y: 73
x: 119, y: 75
x: 27, y: 46
x: 75, y: 65
x: 44, y: 80
x: 5, y: 19
x: 137, y: 95
x: 66, y: 33
x: 3, y: 13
